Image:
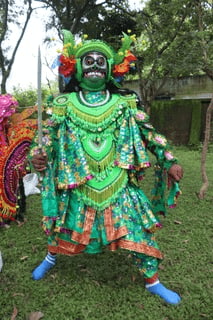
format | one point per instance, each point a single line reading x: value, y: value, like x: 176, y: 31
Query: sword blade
x: 39, y: 101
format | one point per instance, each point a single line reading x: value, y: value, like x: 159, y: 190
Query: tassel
x: 96, y: 193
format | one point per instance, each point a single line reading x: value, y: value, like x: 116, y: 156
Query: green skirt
x: 128, y: 223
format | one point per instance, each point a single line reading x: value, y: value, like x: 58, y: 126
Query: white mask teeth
x: 96, y: 74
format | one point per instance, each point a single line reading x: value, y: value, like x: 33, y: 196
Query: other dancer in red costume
x: 16, y: 134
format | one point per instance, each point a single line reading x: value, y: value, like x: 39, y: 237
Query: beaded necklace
x: 94, y: 99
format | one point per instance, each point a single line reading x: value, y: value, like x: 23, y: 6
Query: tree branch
x: 205, y: 184
x: 29, y: 12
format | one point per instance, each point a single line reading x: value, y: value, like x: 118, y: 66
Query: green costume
x: 97, y: 141
x: 91, y: 195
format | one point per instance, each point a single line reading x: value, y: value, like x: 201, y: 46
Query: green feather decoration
x: 69, y: 41
x: 126, y: 43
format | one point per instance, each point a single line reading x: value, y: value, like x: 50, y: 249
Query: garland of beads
x: 95, y: 104
x: 115, y: 116
x: 69, y: 106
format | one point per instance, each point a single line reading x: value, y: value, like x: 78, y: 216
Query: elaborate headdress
x: 119, y: 63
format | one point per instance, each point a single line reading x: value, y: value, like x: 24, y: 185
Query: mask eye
x: 101, y: 61
x: 89, y: 60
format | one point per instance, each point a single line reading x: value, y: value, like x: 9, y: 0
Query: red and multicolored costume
x: 16, y: 134
x: 97, y: 143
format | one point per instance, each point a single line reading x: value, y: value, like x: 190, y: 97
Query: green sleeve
x: 158, y: 145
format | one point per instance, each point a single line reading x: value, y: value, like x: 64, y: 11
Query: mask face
x: 94, y: 65
x: 94, y: 70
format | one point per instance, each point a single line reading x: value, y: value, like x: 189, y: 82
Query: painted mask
x: 94, y: 71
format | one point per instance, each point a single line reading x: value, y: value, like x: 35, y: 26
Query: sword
x: 39, y: 101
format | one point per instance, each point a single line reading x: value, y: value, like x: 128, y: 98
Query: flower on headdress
x: 67, y: 66
x: 120, y: 69
x: 130, y: 56
x: 8, y: 106
x: 133, y: 37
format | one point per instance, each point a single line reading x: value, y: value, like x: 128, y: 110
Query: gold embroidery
x: 84, y: 237
x: 137, y: 247
x: 111, y: 232
x: 67, y: 248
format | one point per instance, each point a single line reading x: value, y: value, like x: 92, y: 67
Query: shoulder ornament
x: 57, y: 108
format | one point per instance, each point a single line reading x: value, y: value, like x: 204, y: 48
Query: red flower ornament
x: 67, y: 67
x: 121, y: 69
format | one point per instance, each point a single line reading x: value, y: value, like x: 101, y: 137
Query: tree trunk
x: 7, y: 67
x: 3, y: 86
x: 205, y: 184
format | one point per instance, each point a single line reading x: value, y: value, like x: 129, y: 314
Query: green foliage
x: 104, y: 20
x: 176, y: 41
x: 113, y: 22
x: 106, y: 286
x: 28, y: 97
x: 25, y: 98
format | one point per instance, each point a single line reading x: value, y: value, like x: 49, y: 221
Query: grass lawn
x: 106, y: 286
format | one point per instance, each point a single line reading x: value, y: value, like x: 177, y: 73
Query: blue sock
x: 49, y: 262
x: 168, y: 295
